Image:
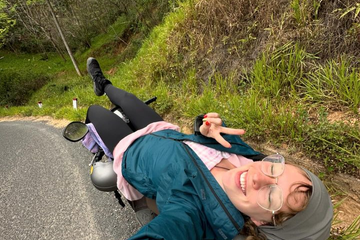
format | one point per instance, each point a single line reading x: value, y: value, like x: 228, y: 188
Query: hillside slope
x: 287, y: 71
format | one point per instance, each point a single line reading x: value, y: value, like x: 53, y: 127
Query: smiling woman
x: 268, y: 193
x: 206, y: 185
x: 260, y: 195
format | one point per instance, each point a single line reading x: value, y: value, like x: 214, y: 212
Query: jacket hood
x: 313, y: 223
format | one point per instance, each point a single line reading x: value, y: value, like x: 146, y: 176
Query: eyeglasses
x: 270, y: 197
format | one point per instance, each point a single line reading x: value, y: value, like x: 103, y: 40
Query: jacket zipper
x: 238, y: 228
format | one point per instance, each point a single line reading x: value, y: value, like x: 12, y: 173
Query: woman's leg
x: 108, y: 125
x: 139, y: 114
x: 112, y: 129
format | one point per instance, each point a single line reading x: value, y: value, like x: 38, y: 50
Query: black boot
x: 93, y: 68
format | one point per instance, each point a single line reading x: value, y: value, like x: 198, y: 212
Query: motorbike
x: 102, y: 174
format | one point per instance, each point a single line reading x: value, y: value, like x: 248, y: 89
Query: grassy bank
x: 280, y: 87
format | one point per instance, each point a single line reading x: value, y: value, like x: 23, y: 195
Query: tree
x: 63, y: 38
x: 5, y: 21
x: 80, y: 22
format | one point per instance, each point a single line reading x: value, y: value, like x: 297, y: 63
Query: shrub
x: 17, y: 88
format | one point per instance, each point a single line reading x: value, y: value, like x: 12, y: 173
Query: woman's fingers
x: 222, y: 141
x: 216, y: 121
x: 212, y: 127
x: 232, y: 131
x: 204, y: 129
x: 225, y: 130
x: 212, y: 115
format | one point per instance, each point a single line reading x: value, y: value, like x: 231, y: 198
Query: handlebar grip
x: 147, y: 102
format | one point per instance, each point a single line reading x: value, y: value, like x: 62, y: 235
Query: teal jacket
x: 191, y: 203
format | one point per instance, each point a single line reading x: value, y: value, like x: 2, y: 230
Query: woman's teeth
x: 243, y: 182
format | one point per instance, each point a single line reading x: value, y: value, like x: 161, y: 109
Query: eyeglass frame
x: 266, y: 159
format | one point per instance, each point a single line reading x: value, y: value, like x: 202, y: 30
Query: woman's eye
x: 269, y: 198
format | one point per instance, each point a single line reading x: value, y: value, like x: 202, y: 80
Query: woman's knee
x: 94, y: 110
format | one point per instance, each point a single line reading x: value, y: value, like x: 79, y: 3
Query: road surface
x: 46, y: 192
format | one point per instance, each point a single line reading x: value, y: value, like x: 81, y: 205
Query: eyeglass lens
x: 270, y: 197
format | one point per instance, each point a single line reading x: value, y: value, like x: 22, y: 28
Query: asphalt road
x: 45, y: 189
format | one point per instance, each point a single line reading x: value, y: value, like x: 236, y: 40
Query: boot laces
x: 98, y: 77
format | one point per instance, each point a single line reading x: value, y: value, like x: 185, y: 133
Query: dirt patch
x: 111, y: 72
x: 58, y: 123
x: 340, y: 116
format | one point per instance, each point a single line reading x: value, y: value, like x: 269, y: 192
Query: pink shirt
x: 209, y: 156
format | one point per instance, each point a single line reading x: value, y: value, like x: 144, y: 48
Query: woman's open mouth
x: 243, y: 182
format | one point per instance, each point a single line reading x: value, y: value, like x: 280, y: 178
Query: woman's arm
x: 177, y: 221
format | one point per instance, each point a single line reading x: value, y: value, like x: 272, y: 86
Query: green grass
x: 36, y: 63
x: 335, y: 83
x: 274, y: 98
x: 351, y: 232
x: 103, y: 45
x: 24, y: 74
x: 284, y: 97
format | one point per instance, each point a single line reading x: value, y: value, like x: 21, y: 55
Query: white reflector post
x: 75, y: 103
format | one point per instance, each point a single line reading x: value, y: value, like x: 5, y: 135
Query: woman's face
x: 242, y: 185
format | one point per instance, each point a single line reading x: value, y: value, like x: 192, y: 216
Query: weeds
x: 299, y: 11
x: 279, y: 73
x: 353, y: 10
x: 334, y: 83
x: 23, y: 75
x: 281, y: 96
x: 350, y: 232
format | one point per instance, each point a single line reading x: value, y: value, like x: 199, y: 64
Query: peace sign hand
x: 212, y: 127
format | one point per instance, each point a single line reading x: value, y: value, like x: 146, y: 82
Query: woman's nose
x: 260, y: 180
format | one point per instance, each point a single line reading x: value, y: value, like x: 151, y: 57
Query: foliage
x: 280, y: 73
x: 81, y: 21
x: 351, y: 232
x: 355, y: 9
x: 278, y: 69
x: 20, y: 90
x: 335, y: 83
x: 337, y: 145
x: 23, y: 75
x: 6, y: 22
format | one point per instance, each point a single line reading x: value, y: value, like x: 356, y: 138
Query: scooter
x: 102, y: 174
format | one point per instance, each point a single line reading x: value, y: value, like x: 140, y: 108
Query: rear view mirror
x: 75, y: 131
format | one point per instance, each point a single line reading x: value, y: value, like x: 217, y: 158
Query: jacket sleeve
x: 176, y: 221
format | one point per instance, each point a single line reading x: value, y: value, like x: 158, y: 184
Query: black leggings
x: 111, y: 127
